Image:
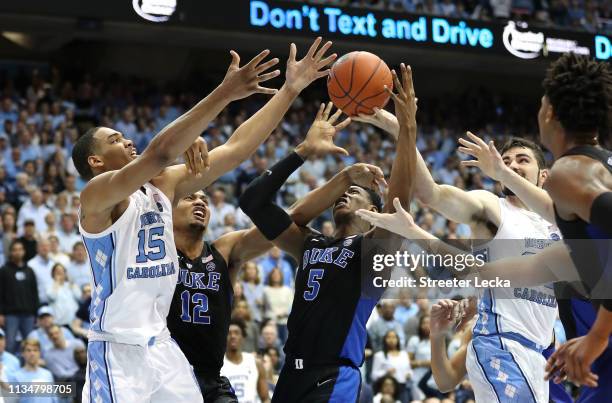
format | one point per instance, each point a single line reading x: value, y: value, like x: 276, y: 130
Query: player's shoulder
x: 571, y: 170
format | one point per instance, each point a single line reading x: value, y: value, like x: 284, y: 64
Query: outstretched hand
x: 366, y: 175
x: 320, y: 138
x: 301, y: 73
x: 573, y: 360
x: 404, y: 100
x: 488, y: 159
x: 196, y: 157
x: 400, y: 222
x: 244, y: 81
x: 382, y: 119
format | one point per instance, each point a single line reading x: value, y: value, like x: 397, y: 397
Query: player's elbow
x: 250, y: 200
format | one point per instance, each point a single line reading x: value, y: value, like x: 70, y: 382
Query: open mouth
x: 199, y: 213
x: 342, y: 202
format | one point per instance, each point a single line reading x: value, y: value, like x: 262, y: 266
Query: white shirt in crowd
x: 42, y: 269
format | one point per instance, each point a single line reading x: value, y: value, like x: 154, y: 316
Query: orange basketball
x: 356, y: 83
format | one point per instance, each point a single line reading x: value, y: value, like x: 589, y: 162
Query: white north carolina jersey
x: 134, y: 269
x: 529, y: 311
x: 243, y: 377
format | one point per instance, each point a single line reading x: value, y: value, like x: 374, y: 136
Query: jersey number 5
x: 313, y: 282
x: 201, y: 307
x: 155, y: 245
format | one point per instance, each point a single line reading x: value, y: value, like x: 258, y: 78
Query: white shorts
x: 126, y: 373
x: 503, y: 370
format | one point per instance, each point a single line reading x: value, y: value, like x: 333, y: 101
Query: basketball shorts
x: 217, y: 389
x: 504, y: 370
x: 317, y: 384
x: 126, y: 373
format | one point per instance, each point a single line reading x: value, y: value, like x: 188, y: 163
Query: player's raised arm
x: 491, y: 163
x: 257, y: 201
x: 252, y: 133
x: 404, y: 164
x: 454, y: 203
x: 122, y: 173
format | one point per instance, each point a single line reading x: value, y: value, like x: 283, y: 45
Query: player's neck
x: 348, y: 229
x: 234, y: 356
x: 190, y: 243
x: 566, y: 143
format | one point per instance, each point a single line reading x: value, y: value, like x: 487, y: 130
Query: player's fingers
x: 340, y: 150
x: 398, y: 206
x: 268, y: 76
x: 189, y: 161
x: 321, y: 52
x: 264, y: 90
x: 469, y: 144
x: 235, y: 59
x: 467, y: 151
x: 369, y: 216
x: 332, y: 119
x: 398, y: 85
x: 408, y: 82
x: 265, y: 66
x: 591, y: 380
x: 197, y: 159
x: 320, y: 112
x: 476, y: 139
x: 395, y: 98
x: 292, y: 53
x: 327, y: 110
x: 314, y: 47
x: 205, y: 157
x: 257, y: 59
x: 329, y: 59
x: 340, y: 126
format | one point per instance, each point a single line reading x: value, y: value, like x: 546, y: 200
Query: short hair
x: 578, y: 89
x: 83, y: 149
x: 15, y: 242
x: 31, y: 343
x: 375, y: 198
x: 240, y: 323
x: 519, y: 142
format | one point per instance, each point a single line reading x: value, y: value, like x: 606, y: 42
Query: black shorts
x: 216, y: 389
x: 317, y: 384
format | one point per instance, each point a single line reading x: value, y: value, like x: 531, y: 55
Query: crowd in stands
x: 589, y: 15
x: 44, y: 274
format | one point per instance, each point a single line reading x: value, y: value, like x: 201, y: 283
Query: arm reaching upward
x: 166, y: 146
x: 252, y: 133
x: 491, y: 163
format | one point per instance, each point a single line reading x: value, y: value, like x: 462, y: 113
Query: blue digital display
x: 603, y: 47
x: 338, y: 21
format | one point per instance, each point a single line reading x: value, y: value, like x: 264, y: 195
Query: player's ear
x: 94, y: 161
x: 543, y: 175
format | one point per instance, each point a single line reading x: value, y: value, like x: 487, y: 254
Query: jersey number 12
x: 201, y: 307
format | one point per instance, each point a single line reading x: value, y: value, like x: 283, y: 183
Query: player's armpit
x: 292, y: 240
x: 241, y: 246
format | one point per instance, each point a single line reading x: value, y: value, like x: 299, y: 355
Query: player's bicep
x: 292, y: 240
x: 461, y: 206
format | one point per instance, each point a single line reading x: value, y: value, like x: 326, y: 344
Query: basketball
x: 356, y: 83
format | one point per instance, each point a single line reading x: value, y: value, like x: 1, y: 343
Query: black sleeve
x: 257, y: 201
x: 601, y: 217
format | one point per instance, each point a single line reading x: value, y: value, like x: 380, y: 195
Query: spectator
x: 386, y: 390
x: 18, y: 296
x: 383, y: 324
x: 8, y: 361
x: 80, y: 357
x: 56, y: 254
x: 80, y: 324
x: 50, y: 223
x: 419, y: 350
x: 277, y: 301
x: 60, y: 357
x: 28, y: 240
x: 9, y: 231
x: 63, y: 296
x: 242, y: 312
x: 411, y: 327
x: 253, y: 290
x: 67, y: 233
x: 42, y: 265
x: 219, y: 208
x: 395, y: 362
x: 78, y: 268
x: 269, y: 337
x: 34, y: 210
x: 275, y: 259
x: 32, y: 372
x: 45, y: 321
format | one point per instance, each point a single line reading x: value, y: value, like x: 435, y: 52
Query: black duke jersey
x: 329, y: 313
x: 201, y: 309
